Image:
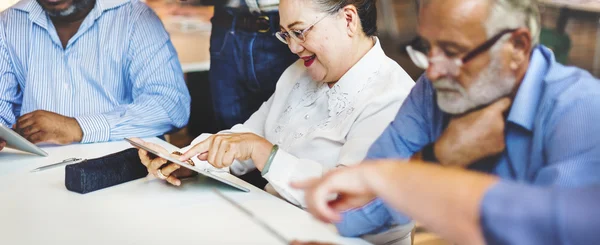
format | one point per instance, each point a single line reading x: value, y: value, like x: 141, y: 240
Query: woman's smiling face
x: 326, y: 44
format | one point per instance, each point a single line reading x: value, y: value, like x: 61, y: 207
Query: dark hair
x: 367, y: 12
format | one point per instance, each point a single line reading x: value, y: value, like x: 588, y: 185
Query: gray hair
x: 513, y: 14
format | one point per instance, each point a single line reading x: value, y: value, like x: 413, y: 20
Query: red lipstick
x: 309, y: 60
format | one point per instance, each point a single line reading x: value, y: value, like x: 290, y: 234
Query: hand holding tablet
x: 165, y: 156
x: 15, y: 141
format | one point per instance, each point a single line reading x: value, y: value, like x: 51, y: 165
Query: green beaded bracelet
x: 270, y: 160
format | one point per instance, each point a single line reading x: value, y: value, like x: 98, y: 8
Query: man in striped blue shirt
x: 88, y: 71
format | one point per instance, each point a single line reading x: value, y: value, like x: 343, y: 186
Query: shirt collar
x: 526, y: 103
x: 356, y: 79
x: 36, y: 13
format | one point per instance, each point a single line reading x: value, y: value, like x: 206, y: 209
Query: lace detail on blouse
x: 342, y: 99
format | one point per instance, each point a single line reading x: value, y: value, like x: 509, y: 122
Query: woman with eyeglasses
x: 327, y: 110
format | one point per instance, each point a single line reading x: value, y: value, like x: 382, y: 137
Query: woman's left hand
x: 221, y: 150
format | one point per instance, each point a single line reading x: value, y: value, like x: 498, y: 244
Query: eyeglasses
x: 298, y: 35
x: 451, y: 66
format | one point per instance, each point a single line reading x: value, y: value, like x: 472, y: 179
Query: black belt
x: 265, y: 23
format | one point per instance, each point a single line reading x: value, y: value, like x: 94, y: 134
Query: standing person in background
x: 246, y: 58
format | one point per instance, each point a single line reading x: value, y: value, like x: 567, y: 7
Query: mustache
x: 447, y: 84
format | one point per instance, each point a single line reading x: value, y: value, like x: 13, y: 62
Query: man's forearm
x: 445, y: 200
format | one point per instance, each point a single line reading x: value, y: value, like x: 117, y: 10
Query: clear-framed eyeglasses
x: 298, y: 35
x: 451, y: 66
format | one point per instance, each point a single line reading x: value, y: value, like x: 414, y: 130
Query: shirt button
x: 306, y: 117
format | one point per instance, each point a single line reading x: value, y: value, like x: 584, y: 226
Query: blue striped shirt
x: 119, y: 75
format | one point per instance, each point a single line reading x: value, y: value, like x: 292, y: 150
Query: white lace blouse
x: 319, y: 128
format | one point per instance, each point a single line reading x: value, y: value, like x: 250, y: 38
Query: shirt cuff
x: 512, y: 213
x: 279, y: 170
x: 95, y: 128
x: 282, y: 172
x: 370, y: 219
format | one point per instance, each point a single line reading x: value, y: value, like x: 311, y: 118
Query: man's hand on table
x: 2, y: 144
x: 474, y: 136
x: 48, y: 127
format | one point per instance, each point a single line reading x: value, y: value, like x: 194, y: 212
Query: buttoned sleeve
x: 161, y: 101
x: 513, y: 213
x: 371, y: 121
x: 10, y: 93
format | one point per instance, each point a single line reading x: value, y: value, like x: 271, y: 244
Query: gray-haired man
x: 492, y: 100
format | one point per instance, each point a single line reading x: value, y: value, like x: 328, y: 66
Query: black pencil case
x: 99, y: 173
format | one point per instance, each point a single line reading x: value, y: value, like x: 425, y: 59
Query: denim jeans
x: 244, y: 69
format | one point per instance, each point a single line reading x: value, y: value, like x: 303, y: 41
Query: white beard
x: 488, y: 87
x: 67, y: 12
x: 76, y: 7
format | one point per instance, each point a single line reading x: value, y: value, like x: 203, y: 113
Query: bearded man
x: 493, y: 100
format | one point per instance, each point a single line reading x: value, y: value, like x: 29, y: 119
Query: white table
x: 36, y: 208
x: 587, y: 6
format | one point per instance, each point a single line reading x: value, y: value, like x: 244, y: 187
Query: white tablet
x: 204, y: 172
x: 16, y: 141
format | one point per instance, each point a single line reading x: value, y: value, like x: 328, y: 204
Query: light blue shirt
x: 119, y: 76
x: 524, y: 214
x: 552, y: 136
